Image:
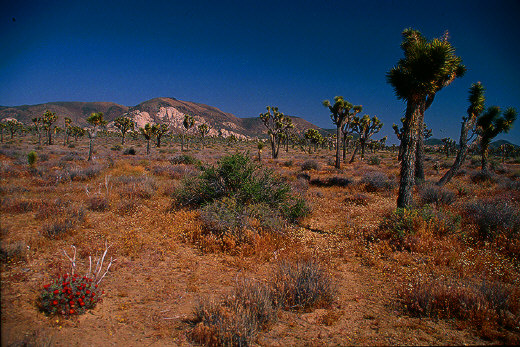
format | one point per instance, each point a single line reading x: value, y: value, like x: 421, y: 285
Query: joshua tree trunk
x: 90, y: 148
x: 409, y: 143
x: 467, y: 125
x: 354, y: 155
x: 147, y: 146
x: 419, y: 155
x: 363, y: 145
x: 484, y: 157
x: 345, y: 145
x: 338, y: 145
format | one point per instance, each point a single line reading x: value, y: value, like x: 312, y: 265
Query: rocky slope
x: 158, y: 110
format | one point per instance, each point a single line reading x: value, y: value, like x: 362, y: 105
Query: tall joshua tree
x: 187, y: 124
x: 341, y: 114
x: 124, y: 124
x: 365, y: 127
x: 427, y: 67
x: 96, y: 121
x: 489, y: 125
x: 203, y: 131
x: 276, y: 123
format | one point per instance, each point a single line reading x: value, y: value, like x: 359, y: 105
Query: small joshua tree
x: 314, y: 137
x: 449, y: 145
x: 187, y: 124
x: 260, y: 146
x: 342, y: 113
x: 66, y: 134
x: 48, y: 119
x: 148, y: 132
x: 96, y: 121
x: 124, y: 124
x: 489, y: 125
x: 365, y: 127
x: 159, y: 131
x: 276, y: 123
x: 203, y: 131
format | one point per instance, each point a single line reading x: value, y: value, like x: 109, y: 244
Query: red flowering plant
x: 72, y: 294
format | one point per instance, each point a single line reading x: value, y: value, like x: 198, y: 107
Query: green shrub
x: 184, y: 159
x: 310, y: 165
x: 374, y: 161
x: 116, y: 148
x: 32, y: 157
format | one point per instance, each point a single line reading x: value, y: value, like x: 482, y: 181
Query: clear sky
x: 241, y: 56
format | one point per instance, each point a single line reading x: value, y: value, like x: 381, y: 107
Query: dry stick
x: 102, y: 259
x: 108, y: 268
x: 72, y: 260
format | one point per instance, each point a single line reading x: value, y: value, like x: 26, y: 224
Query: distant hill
x: 499, y: 143
x: 158, y: 110
x: 433, y: 142
x: 494, y: 144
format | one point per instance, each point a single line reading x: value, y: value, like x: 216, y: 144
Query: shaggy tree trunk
x: 147, y: 146
x: 484, y: 153
x: 419, y: 155
x: 354, y: 155
x: 338, y: 145
x: 414, y: 109
x: 363, y: 146
x: 90, y: 149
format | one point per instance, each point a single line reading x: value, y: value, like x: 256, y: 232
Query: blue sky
x: 241, y: 56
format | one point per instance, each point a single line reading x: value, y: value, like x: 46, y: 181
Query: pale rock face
x: 174, y: 118
x: 5, y: 120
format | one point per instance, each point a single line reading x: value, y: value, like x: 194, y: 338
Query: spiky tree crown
x: 96, y: 119
x: 341, y: 110
x: 426, y: 68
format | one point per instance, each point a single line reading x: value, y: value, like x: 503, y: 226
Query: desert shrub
x: 374, y: 160
x: 377, y: 181
x: 84, y: 174
x: 331, y: 182
x: 136, y: 187
x: 358, y: 199
x: 15, y: 252
x: 32, y: 157
x: 433, y: 194
x: 399, y: 226
x: 483, y: 177
x: 69, y: 295
x: 302, y: 284
x: 288, y: 163
x: 98, y: 203
x: 116, y: 148
x: 482, y: 303
x: 18, y: 205
x: 129, y: 151
x: 70, y: 157
x: 184, y: 159
x: 295, y: 210
x: 441, y: 222
x: 63, y: 218
x: 236, y: 176
x: 495, y: 217
x: 310, y: 165
x: 237, y: 319
x: 226, y: 218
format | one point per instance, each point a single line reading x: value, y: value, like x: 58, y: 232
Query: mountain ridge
x: 156, y: 110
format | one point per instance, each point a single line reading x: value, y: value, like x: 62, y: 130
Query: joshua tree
x: 276, y: 124
x: 449, y: 145
x: 12, y: 126
x: 38, y: 127
x: 314, y: 137
x: 68, y: 123
x: 124, y: 124
x: 365, y: 127
x: 342, y: 113
x: 148, y: 131
x: 203, y: 130
x: 506, y: 150
x: 159, y: 130
x: 260, y: 146
x: 427, y: 67
x: 187, y: 124
x: 489, y: 125
x: 96, y: 121
x: 77, y: 131
x: 48, y: 119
